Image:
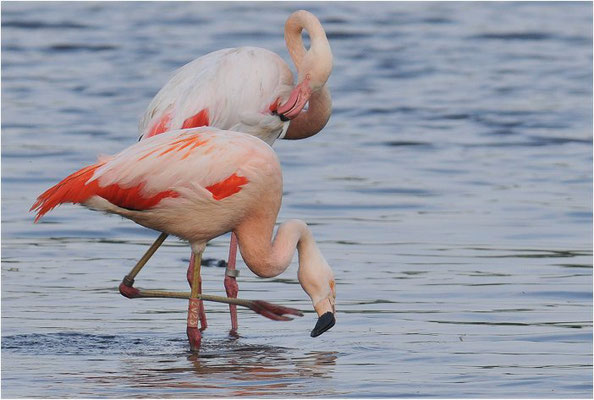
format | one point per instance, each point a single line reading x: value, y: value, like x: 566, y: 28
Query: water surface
x: 451, y: 192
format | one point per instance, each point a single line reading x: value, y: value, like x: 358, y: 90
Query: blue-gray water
x: 451, y: 192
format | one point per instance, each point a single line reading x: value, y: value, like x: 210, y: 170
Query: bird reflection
x: 233, y: 368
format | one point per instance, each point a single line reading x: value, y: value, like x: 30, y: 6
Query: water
x: 451, y: 192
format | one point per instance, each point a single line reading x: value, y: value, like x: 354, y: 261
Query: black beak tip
x: 325, y: 322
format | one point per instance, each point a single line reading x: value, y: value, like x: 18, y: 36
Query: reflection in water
x: 224, y: 367
x: 231, y: 368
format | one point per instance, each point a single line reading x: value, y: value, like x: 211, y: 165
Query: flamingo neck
x: 268, y: 258
x: 319, y: 51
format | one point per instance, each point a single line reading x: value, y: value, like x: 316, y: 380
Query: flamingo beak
x: 325, y: 309
x: 297, y: 100
x: 325, y: 322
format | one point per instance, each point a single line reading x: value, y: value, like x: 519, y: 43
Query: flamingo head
x: 317, y: 279
x: 310, y: 83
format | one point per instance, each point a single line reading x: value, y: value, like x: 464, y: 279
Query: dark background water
x: 451, y: 192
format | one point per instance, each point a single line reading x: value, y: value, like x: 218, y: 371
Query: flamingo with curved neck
x: 250, y: 89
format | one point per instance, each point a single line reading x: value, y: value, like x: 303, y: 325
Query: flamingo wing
x: 234, y: 89
x: 206, y: 160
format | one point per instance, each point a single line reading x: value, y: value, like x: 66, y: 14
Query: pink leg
x: 201, y: 313
x: 194, y: 335
x: 231, y: 286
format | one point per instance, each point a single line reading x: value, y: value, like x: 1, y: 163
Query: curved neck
x: 268, y: 258
x: 298, y: 21
x: 263, y: 255
x: 310, y: 122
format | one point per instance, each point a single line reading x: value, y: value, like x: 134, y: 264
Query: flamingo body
x: 236, y: 89
x: 198, y: 184
x: 214, y: 175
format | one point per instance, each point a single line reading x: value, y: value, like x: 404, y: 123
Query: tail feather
x: 76, y: 188
x: 72, y: 189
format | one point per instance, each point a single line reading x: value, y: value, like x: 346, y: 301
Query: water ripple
x: 451, y: 192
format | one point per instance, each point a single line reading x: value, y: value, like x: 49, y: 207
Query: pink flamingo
x: 198, y: 184
x: 249, y: 90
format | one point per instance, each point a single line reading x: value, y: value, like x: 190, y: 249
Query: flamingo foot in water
x: 195, y: 338
x: 128, y: 290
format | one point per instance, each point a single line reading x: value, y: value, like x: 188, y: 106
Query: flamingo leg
x: 201, y: 313
x: 268, y: 310
x: 194, y: 305
x: 231, y: 286
x: 126, y: 288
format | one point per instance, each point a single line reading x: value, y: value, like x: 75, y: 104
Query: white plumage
x: 237, y: 87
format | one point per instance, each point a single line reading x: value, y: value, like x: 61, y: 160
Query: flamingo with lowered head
x: 198, y: 184
x: 250, y: 90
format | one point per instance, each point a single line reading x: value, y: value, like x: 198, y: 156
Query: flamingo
x: 250, y: 90
x: 198, y: 184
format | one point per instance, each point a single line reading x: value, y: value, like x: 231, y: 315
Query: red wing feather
x: 227, y: 187
x: 160, y: 126
x: 196, y: 120
x: 75, y: 189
